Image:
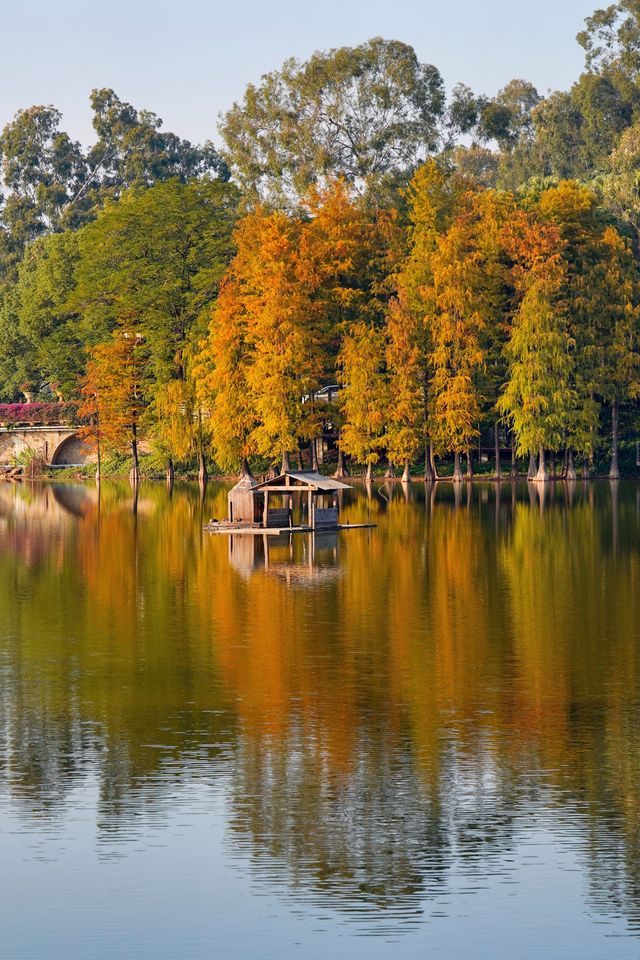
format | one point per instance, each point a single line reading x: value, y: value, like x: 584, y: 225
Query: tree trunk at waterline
x: 542, y: 475
x: 469, y: 464
x: 514, y: 459
x: 134, y: 474
x: 369, y: 474
x: 457, y: 472
x: 571, y: 474
x: 531, y: 472
x: 406, y: 473
x: 497, y: 474
x: 429, y: 475
x: 341, y: 469
x: 432, y: 457
x: 203, y: 476
x: 614, y: 470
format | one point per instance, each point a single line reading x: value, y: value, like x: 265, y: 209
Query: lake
x: 416, y: 740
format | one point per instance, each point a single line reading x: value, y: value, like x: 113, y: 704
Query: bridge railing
x: 38, y: 414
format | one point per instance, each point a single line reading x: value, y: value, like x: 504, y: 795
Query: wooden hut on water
x: 269, y: 504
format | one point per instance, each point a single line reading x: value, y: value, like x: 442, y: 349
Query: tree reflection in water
x: 381, y: 707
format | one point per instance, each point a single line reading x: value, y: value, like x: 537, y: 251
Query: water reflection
x: 385, y: 711
x: 300, y: 559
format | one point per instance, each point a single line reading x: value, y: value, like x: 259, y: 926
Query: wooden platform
x: 253, y: 531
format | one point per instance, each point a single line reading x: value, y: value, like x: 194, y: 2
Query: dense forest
x: 465, y: 267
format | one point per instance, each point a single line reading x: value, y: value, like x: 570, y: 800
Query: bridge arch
x: 72, y: 451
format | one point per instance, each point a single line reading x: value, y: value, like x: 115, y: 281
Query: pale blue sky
x: 189, y: 60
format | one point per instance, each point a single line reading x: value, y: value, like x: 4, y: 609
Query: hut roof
x: 246, y: 482
x: 305, y: 480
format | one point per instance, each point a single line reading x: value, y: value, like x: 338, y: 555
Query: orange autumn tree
x: 433, y: 197
x: 538, y: 395
x: 469, y: 299
x: 220, y: 365
x: 295, y: 287
x: 363, y: 399
x: 282, y: 330
x: 114, y: 392
x: 348, y: 247
x: 406, y: 392
x: 263, y: 354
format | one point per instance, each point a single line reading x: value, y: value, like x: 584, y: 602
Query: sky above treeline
x: 189, y: 61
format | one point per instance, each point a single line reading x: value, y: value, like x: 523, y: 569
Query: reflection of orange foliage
x: 462, y: 626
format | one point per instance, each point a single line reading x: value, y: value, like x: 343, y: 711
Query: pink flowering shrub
x: 38, y: 414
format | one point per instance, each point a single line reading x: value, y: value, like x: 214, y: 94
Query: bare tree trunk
x: 514, y: 459
x: 432, y: 459
x: 571, y: 469
x: 469, y: 464
x: 552, y: 465
x: 341, y: 469
x: 428, y: 468
x: 614, y: 470
x: 497, y: 475
x: 541, y: 476
x: 203, y: 476
x: 170, y: 473
x: 245, y: 469
x: 406, y: 473
x: 457, y: 472
x: 390, y: 472
x: 134, y: 474
x: 314, y: 455
x: 369, y: 474
x: 98, y: 448
x: 531, y: 472
x: 286, y: 462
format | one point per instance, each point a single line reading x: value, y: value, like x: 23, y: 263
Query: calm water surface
x: 419, y: 740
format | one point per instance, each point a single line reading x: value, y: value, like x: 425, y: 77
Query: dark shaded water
x: 418, y: 740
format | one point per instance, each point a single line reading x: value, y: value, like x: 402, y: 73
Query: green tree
x: 42, y: 170
x: 158, y: 255
x: 47, y: 347
x: 613, y: 358
x: 538, y: 397
x: 362, y: 113
x: 132, y: 150
x: 600, y: 294
x: 620, y: 184
x: 51, y: 183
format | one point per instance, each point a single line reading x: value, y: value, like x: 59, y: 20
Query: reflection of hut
x: 310, y: 559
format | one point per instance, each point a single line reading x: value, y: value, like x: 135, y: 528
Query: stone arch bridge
x: 58, y: 445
